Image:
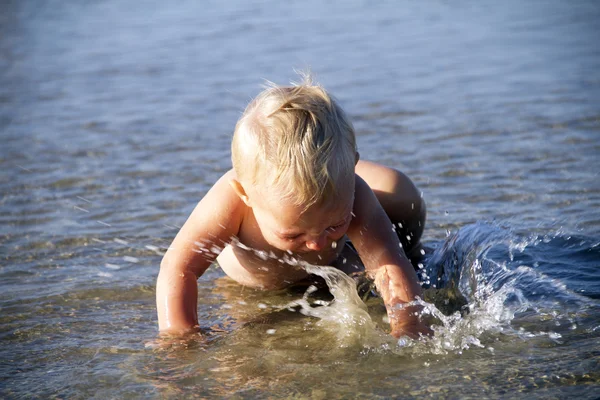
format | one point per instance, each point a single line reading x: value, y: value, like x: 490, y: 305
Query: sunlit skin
x: 257, y: 230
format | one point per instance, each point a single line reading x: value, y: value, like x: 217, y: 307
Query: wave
x: 483, y: 283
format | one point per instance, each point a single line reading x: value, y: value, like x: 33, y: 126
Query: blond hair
x: 298, y: 141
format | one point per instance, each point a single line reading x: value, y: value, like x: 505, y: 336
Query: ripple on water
x: 491, y: 110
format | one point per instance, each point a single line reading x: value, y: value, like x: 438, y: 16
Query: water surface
x: 116, y: 118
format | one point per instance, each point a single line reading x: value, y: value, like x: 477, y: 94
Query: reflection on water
x: 116, y: 118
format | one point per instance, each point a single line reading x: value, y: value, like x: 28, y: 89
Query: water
x: 117, y: 116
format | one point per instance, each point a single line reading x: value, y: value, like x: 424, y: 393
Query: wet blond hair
x: 297, y: 141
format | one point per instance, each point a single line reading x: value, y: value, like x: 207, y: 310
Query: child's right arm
x: 213, y: 223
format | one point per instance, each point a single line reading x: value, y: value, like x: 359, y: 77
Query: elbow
x: 165, y: 262
x: 172, y: 262
x: 173, y: 265
x: 165, y: 267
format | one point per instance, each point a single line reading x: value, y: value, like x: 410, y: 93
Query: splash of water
x: 481, y: 263
x: 478, y: 264
x: 346, y: 314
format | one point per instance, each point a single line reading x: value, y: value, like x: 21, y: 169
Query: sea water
x: 116, y: 118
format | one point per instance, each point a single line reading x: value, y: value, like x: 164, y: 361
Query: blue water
x: 116, y: 117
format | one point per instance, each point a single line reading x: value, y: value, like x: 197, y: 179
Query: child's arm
x: 212, y: 224
x: 378, y: 246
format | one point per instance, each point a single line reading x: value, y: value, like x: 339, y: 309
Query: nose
x: 318, y: 243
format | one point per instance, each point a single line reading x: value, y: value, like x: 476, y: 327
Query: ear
x: 240, y: 191
x: 357, y: 158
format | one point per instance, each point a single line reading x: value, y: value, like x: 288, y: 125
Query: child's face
x: 289, y: 227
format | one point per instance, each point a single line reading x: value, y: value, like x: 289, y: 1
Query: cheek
x: 337, y: 236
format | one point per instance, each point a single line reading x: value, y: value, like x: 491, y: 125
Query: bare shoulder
x: 221, y: 206
x: 215, y: 220
x: 222, y: 188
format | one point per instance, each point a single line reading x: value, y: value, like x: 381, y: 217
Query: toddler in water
x: 297, y: 193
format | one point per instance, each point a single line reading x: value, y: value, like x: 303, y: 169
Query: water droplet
x: 262, y: 306
x: 241, y: 245
x: 271, y: 331
x: 311, y: 289
x: 554, y: 335
x: 333, y: 244
x: 261, y: 254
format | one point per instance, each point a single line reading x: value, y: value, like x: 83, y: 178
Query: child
x: 297, y: 193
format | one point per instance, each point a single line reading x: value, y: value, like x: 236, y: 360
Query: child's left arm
x: 378, y: 246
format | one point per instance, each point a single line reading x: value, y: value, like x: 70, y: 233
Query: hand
x: 407, y: 321
x: 169, y: 341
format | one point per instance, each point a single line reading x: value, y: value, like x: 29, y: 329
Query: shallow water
x: 116, y: 118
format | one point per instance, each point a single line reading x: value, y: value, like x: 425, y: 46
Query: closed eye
x: 292, y: 237
x: 338, y: 226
